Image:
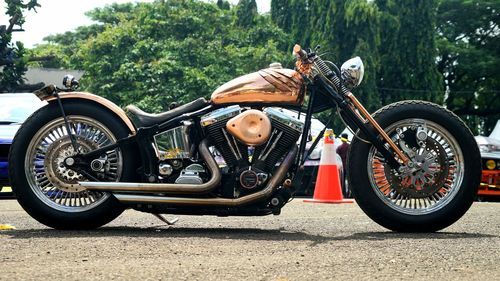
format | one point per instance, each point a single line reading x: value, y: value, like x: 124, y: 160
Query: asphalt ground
x: 306, y: 242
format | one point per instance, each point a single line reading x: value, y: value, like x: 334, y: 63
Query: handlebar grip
x: 299, y: 52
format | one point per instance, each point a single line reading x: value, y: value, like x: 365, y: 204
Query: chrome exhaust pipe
x: 251, y: 198
x: 165, y: 187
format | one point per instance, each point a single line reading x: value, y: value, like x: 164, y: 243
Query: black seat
x: 147, y: 119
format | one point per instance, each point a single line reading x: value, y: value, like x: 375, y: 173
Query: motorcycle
x: 80, y: 161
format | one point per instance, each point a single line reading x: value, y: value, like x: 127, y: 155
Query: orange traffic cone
x: 328, y: 188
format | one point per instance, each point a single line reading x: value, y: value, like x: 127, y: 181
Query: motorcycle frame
x: 316, y: 90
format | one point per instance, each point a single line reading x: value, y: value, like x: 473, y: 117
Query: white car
x: 14, y: 110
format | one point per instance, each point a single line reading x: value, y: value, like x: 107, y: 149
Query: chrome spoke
x: 56, y: 185
x: 436, y: 173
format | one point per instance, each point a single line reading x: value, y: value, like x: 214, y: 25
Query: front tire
x: 441, y: 184
x: 47, y: 190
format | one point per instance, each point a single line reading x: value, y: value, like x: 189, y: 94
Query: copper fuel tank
x: 268, y: 85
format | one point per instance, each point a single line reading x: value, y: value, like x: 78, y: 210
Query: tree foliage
x: 445, y: 51
x: 246, y: 13
x: 412, y: 49
x: 12, y: 54
x: 408, y: 45
x: 469, y: 58
x: 281, y: 13
x: 153, y: 54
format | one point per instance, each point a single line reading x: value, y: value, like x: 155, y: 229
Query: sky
x: 59, y: 16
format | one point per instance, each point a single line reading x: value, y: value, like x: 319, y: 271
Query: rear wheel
x: 48, y: 190
x: 437, y: 186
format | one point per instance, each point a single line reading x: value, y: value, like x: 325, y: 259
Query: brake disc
x: 64, y: 178
x: 426, y: 171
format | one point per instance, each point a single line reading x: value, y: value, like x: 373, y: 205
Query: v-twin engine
x: 251, y: 142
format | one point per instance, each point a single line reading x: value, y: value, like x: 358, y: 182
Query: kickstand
x: 165, y: 220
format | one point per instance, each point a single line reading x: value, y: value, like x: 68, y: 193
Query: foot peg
x: 165, y: 220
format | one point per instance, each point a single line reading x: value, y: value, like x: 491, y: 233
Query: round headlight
x: 352, y: 72
x: 490, y: 164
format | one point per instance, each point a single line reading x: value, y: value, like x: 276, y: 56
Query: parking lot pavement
x: 306, y: 242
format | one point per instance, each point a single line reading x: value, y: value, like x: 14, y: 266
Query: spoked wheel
x: 46, y: 188
x: 47, y: 176
x: 438, y: 184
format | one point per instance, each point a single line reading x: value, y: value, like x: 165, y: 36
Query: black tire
x: 370, y: 198
x: 104, y: 212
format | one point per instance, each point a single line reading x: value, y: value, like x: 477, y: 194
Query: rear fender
x: 100, y: 101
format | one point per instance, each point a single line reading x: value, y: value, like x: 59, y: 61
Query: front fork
x: 377, y: 127
x: 367, y: 125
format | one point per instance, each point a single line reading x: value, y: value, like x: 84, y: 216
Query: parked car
x: 490, y: 182
x: 489, y: 189
x: 14, y: 110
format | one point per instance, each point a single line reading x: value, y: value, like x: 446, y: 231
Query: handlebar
x: 325, y: 72
x: 330, y: 76
x: 299, y: 52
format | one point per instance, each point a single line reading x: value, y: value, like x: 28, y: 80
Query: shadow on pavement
x: 233, y: 233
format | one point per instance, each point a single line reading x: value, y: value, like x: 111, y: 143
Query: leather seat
x: 147, y: 119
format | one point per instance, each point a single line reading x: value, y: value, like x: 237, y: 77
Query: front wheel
x: 43, y: 185
x: 437, y: 186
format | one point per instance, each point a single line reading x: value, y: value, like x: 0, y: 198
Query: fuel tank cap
x: 276, y: 65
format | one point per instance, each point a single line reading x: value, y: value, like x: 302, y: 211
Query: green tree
x: 281, y: 14
x: 347, y: 29
x: 408, y: 62
x: 166, y: 51
x: 469, y: 58
x: 363, y: 19
x: 60, y: 51
x: 319, y: 27
x: 246, y: 11
x: 12, y: 55
x: 299, y: 23
x: 224, y: 5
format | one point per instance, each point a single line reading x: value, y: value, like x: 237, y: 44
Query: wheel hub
x: 430, y: 179
x: 425, y: 172
x: 57, y: 153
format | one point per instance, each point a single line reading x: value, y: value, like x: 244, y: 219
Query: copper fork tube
x: 377, y: 127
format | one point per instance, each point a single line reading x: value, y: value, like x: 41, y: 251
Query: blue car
x: 14, y: 110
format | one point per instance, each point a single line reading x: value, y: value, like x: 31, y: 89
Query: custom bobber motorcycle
x: 79, y: 161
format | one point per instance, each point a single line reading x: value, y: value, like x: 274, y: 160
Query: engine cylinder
x: 235, y: 153
x: 286, y: 131
x: 251, y: 127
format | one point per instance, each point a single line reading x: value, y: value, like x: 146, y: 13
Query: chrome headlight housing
x: 352, y: 72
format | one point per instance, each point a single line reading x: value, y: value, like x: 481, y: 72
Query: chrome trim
x: 48, y: 180
x: 251, y: 198
x: 165, y: 187
x: 174, y: 143
x: 231, y: 144
x: 285, y: 119
x: 424, y: 158
x: 219, y: 115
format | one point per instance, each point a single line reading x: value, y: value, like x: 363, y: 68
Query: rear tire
x: 50, y: 193
x: 419, y: 206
